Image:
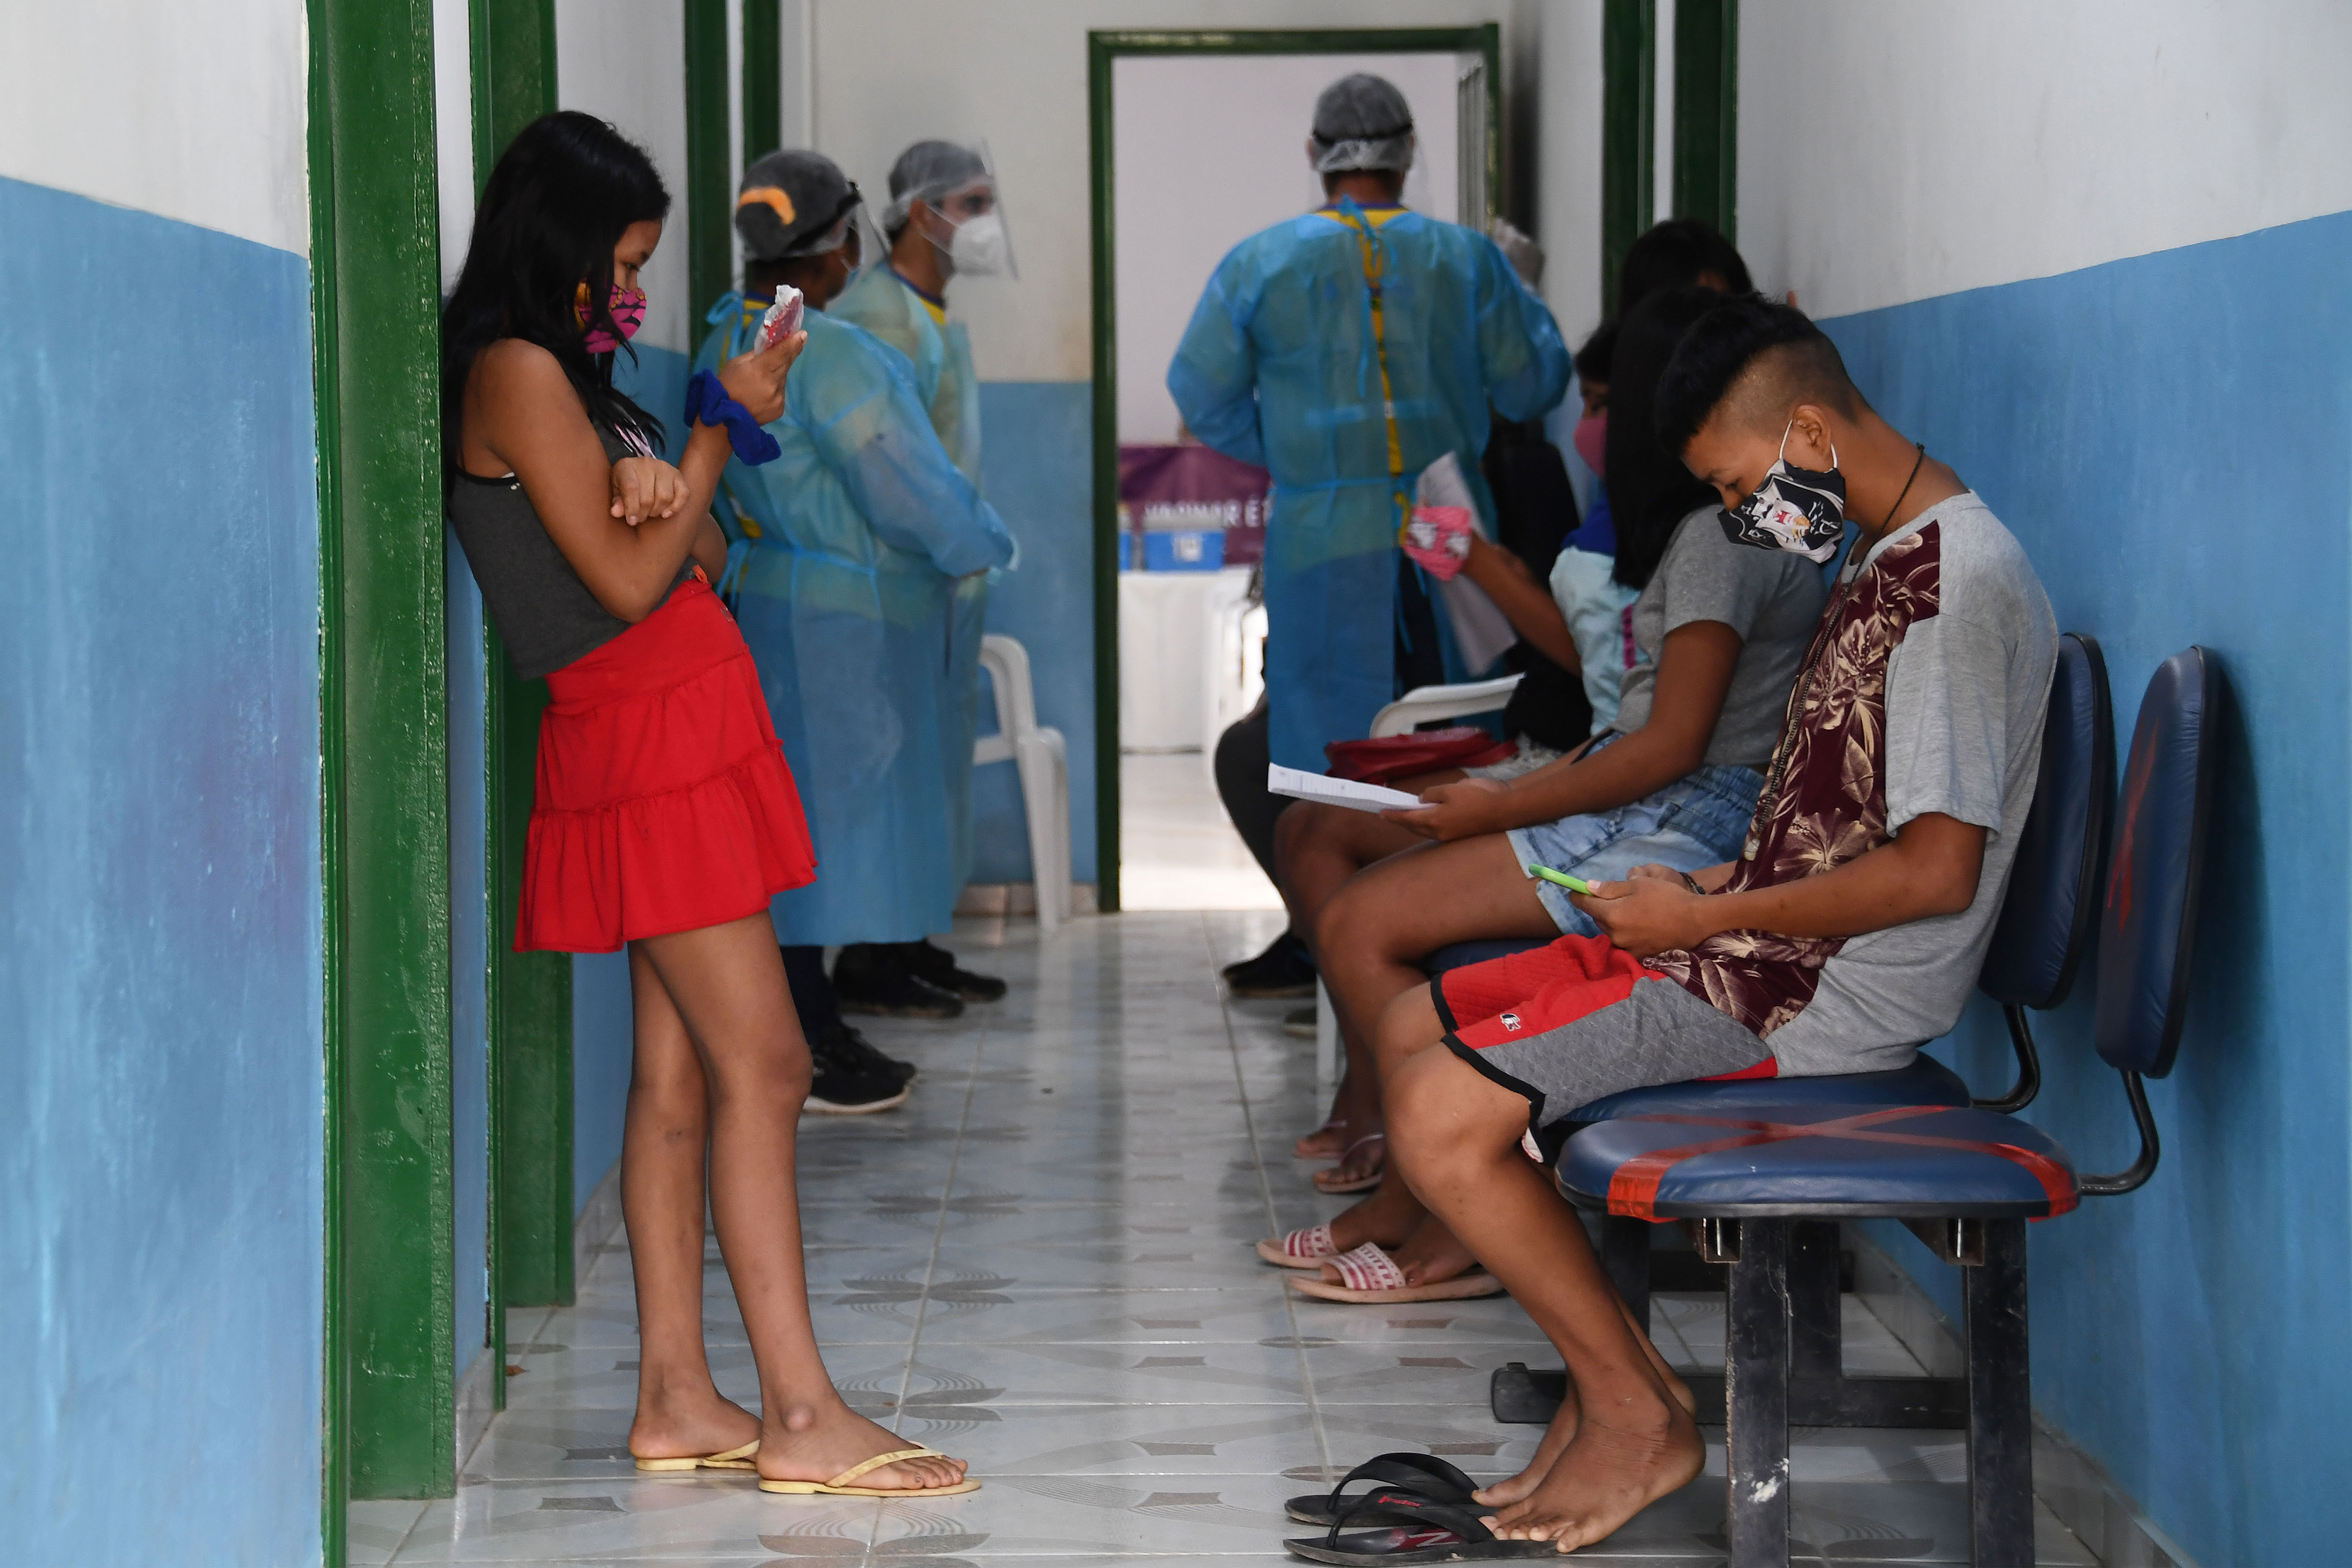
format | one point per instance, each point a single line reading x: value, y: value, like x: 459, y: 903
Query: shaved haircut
x: 1771, y: 386
x: 1752, y: 362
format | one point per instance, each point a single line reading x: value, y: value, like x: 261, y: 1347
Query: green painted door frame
x: 1102, y: 49
x: 1705, y: 157
x: 1706, y: 112
x: 530, y: 994
x: 375, y: 270
x: 764, y: 83
x: 709, y: 179
x: 1629, y: 119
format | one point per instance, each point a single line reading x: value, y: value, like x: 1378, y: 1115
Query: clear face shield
x: 853, y: 234
x: 962, y: 213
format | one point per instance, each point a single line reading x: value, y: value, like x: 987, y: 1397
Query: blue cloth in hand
x: 707, y: 400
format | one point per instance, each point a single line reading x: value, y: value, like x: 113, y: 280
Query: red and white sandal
x: 1371, y: 1278
x: 1300, y: 1249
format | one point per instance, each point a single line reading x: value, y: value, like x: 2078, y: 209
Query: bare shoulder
x: 518, y: 365
x: 519, y: 386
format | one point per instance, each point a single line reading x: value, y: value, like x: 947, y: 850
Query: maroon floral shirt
x: 1831, y: 803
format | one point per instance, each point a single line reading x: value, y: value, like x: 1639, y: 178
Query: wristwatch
x: 1692, y: 883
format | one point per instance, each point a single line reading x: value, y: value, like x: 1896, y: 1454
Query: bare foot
x: 1607, y: 1474
x: 1388, y: 1217
x: 1328, y: 1142
x: 1366, y: 1157
x: 814, y: 1444
x: 1556, y: 1439
x: 1432, y: 1253
x: 680, y: 1429
x: 1557, y: 1436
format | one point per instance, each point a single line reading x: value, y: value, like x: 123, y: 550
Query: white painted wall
x: 1568, y: 163
x: 1210, y: 149
x: 1897, y: 152
x: 883, y: 76
x: 625, y: 60
x: 453, y: 131
x: 194, y: 113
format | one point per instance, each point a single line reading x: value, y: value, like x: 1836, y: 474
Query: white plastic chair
x: 1038, y: 751
x: 1427, y: 704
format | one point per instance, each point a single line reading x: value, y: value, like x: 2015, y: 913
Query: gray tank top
x: 544, y: 612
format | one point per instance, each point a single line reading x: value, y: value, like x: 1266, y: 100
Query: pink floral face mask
x: 628, y: 309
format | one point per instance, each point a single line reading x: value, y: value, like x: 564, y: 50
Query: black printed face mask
x: 1801, y: 510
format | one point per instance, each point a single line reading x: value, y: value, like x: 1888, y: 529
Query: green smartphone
x: 1573, y: 884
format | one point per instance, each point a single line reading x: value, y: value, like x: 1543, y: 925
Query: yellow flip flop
x: 743, y: 1459
x: 840, y: 1485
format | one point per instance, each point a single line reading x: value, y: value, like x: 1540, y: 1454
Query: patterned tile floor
x: 1042, y: 1264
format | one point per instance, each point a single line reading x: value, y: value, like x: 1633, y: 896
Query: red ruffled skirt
x: 664, y: 804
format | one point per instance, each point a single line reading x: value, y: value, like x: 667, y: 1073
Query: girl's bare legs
x: 680, y: 1410
x: 722, y: 990
x: 1317, y: 849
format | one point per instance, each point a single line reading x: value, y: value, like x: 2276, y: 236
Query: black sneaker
x: 845, y: 1085
x: 935, y: 965
x: 845, y: 1044
x: 1281, y: 972
x: 871, y: 978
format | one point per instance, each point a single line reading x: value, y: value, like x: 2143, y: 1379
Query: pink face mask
x: 629, y: 308
x: 1591, y: 440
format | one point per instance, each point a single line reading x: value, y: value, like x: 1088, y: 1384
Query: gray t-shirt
x: 1967, y: 692
x: 1771, y: 598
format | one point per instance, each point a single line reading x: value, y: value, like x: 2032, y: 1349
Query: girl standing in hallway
x: 664, y: 816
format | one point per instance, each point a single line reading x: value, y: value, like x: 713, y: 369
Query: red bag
x: 1423, y: 751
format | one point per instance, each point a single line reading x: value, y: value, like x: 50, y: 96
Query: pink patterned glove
x: 1438, y: 539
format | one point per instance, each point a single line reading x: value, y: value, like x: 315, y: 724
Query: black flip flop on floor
x: 1426, y: 1475
x: 1418, y: 1530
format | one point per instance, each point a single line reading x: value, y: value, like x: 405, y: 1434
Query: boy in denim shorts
x: 1850, y: 927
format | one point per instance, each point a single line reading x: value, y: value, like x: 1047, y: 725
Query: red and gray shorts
x: 1566, y: 1023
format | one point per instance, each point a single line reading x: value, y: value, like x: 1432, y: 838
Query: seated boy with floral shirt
x: 1850, y: 929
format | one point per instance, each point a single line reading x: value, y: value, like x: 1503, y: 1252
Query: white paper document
x: 1302, y: 785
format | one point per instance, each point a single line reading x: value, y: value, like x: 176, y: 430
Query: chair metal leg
x: 1816, y: 1334
x: 1626, y: 1254
x: 2001, y: 1420
x: 1756, y: 1368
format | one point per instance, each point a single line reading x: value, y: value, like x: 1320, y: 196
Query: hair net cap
x: 927, y: 171
x: 1363, y: 121
x: 792, y: 204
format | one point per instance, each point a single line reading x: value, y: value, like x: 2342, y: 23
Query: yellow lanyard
x: 1374, y: 267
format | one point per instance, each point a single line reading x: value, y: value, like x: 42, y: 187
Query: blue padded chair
x: 1965, y: 1180
x: 2053, y: 884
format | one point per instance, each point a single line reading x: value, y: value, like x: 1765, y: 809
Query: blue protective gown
x: 1278, y: 367
x: 893, y: 310
x: 851, y: 543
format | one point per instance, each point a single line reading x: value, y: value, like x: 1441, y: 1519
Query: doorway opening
x: 1199, y: 144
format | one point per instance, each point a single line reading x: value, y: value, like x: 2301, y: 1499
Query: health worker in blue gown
x: 943, y: 221
x: 1344, y: 350
x: 843, y: 575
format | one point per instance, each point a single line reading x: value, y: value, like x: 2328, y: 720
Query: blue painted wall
x: 160, y: 1084
x: 1037, y: 469
x: 469, y: 929
x: 602, y: 1045
x: 2167, y: 435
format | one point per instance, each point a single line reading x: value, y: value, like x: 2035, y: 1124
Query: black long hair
x: 1649, y: 488
x: 564, y: 191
